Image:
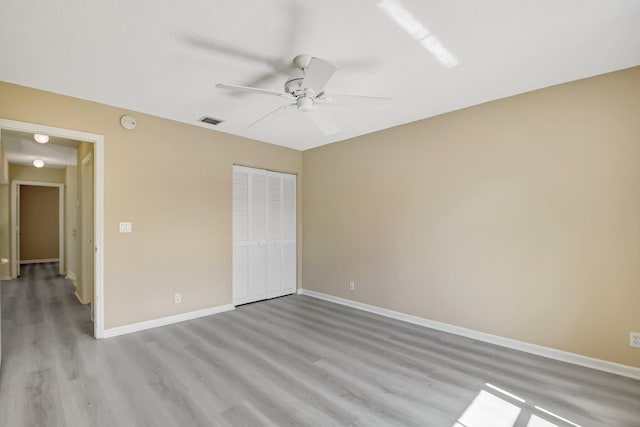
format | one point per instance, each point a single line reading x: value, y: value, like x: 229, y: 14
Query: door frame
x: 15, y: 211
x: 98, y: 204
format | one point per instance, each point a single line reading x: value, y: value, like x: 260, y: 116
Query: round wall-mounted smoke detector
x: 128, y: 122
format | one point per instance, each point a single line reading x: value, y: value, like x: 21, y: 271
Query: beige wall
x: 71, y: 220
x: 31, y: 173
x: 39, y: 222
x: 173, y: 182
x: 4, y: 164
x: 520, y: 217
x: 5, y: 272
x: 4, y: 218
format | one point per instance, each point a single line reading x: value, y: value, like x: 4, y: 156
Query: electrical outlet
x: 177, y: 298
x: 634, y: 339
x: 352, y: 285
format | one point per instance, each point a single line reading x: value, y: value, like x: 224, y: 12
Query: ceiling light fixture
x: 42, y: 139
x: 418, y: 31
x: 38, y: 163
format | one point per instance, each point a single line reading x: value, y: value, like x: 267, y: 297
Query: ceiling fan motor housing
x: 294, y: 86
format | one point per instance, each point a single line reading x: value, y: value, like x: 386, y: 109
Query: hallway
x: 44, y: 332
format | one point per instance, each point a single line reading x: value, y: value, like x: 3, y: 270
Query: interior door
x: 17, y: 235
x: 274, y: 234
x: 87, y: 249
x: 240, y: 235
x: 257, y: 235
x: 289, y: 224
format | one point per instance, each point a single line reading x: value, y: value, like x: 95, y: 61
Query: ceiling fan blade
x: 228, y: 50
x: 274, y: 113
x: 266, y: 79
x: 253, y: 90
x: 317, y: 74
x: 343, y: 100
x: 324, y: 122
x: 343, y: 96
x: 355, y: 63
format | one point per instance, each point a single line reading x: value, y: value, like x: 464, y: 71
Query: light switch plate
x: 125, y: 227
x: 634, y: 339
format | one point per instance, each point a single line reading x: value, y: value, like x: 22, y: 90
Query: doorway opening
x: 90, y: 230
x: 39, y: 223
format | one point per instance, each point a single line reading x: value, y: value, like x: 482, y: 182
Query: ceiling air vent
x: 211, y: 121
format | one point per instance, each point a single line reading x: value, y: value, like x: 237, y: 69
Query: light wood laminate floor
x: 292, y: 361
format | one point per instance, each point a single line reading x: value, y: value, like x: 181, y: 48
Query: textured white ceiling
x: 163, y: 57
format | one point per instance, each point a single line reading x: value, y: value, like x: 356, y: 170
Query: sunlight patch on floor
x: 489, y: 410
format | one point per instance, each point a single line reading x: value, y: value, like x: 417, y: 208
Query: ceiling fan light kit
x: 305, y: 93
x: 305, y: 104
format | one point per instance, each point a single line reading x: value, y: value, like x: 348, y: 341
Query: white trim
x: 78, y: 297
x: 6, y: 278
x: 71, y: 276
x: 38, y: 261
x: 551, y: 353
x: 98, y: 212
x: 164, y: 321
x: 14, y: 212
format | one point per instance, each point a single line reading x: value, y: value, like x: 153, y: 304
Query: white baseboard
x: 80, y: 299
x: 6, y: 278
x: 551, y: 353
x: 38, y: 261
x: 71, y: 276
x: 163, y: 321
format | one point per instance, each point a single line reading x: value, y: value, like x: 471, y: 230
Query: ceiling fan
x: 306, y: 93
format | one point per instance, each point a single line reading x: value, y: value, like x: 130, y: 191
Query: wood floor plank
x: 291, y: 361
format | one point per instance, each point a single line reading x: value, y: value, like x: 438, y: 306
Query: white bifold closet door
x: 264, y: 234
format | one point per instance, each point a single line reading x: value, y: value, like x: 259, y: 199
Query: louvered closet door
x: 264, y: 234
x: 289, y: 270
x: 257, y: 235
x: 274, y: 234
x: 240, y: 234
